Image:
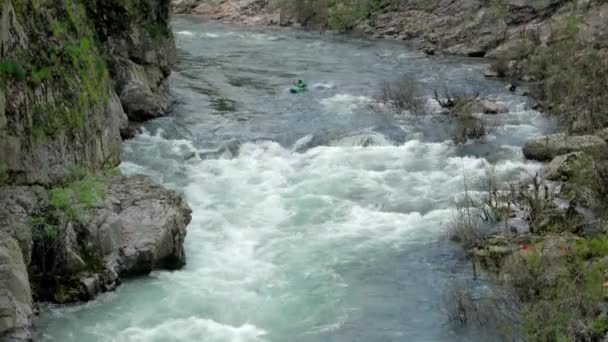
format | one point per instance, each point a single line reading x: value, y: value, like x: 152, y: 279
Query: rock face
x: 548, y: 147
x: 508, y: 29
x: 63, y: 90
x: 15, y: 254
x: 15, y: 294
x: 134, y: 227
x: 142, y: 50
x: 72, y: 73
x: 144, y: 225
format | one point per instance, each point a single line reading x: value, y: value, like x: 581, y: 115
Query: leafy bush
x: 572, y: 79
x: 10, y: 69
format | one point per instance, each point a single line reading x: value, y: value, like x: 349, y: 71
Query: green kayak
x: 298, y: 87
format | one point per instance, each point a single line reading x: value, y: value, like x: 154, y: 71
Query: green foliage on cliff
x: 116, y: 15
x: 75, y: 199
x: 61, y: 58
x: 10, y: 69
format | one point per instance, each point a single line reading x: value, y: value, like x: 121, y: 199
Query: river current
x: 315, y: 218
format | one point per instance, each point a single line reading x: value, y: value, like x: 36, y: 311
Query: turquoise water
x: 328, y: 222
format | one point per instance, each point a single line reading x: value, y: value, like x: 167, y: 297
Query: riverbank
x: 72, y: 77
x: 313, y: 204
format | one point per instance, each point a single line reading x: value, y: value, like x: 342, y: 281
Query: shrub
x: 403, y: 94
x: 10, y: 69
x: 501, y: 67
x: 572, y: 78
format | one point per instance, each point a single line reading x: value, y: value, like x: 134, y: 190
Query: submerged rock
x: 227, y: 149
x: 492, y: 107
x: 550, y: 146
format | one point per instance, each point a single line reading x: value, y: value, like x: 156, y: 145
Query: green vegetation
x: 63, y: 59
x: 71, y: 202
x: 68, y: 207
x: 10, y: 69
x: 339, y: 15
x: 561, y: 287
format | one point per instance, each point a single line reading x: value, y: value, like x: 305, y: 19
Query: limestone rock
x: 603, y: 134
x: 562, y: 167
x: 153, y: 221
x: 15, y: 295
x: 513, y: 49
x: 550, y: 146
x: 492, y: 107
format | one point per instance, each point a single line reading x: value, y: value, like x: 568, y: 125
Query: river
x: 328, y: 222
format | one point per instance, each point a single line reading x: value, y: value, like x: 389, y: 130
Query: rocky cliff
x: 474, y: 28
x: 72, y: 75
x: 69, y: 70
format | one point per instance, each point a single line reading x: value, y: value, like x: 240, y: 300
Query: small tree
x: 403, y: 94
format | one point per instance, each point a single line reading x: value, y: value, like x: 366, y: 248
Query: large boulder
x: 153, y: 224
x: 561, y: 168
x: 132, y: 227
x: 488, y: 106
x: 138, y: 227
x: 550, y: 146
x: 513, y: 49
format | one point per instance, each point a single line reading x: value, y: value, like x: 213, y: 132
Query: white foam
x: 323, y: 86
x: 302, y: 143
x: 271, y: 230
x: 361, y: 139
x: 192, y: 329
x: 345, y: 103
x: 185, y: 33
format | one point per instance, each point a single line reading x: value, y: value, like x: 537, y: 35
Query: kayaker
x: 298, y: 87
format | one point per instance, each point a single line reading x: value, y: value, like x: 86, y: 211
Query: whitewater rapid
x: 325, y: 221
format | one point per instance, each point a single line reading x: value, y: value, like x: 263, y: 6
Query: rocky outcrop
x: 142, y: 225
x: 15, y: 295
x: 488, y: 106
x: 140, y: 51
x: 64, y: 89
x: 76, y: 250
x: 71, y: 75
x: 550, y: 146
x: 509, y: 29
x: 56, y: 111
x: 563, y: 167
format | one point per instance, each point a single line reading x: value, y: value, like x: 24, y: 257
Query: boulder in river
x: 148, y: 223
x: 492, y: 107
x: 548, y: 147
x: 562, y: 167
